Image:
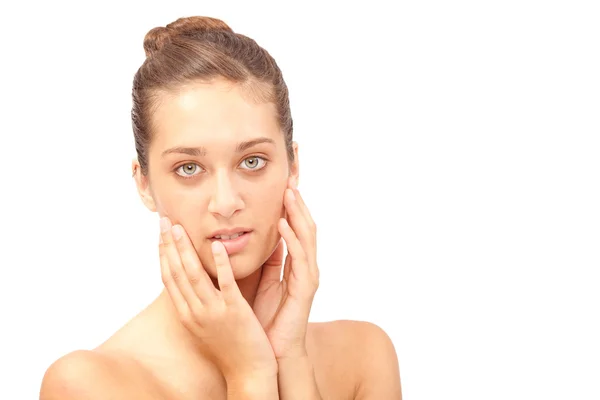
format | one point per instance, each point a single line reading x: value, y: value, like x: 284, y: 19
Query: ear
x: 295, y: 167
x: 143, y: 186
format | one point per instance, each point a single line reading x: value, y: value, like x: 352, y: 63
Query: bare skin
x: 154, y: 357
x: 235, y: 181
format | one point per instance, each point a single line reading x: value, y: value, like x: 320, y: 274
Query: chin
x: 248, y: 260
x: 245, y: 263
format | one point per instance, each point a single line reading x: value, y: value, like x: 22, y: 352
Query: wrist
x: 297, y: 379
x: 300, y: 362
x: 242, y: 373
x: 295, y: 352
x: 249, y: 387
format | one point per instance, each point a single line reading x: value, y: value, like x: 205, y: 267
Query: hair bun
x: 157, y: 37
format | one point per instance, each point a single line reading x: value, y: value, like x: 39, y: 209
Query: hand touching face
x: 219, y: 167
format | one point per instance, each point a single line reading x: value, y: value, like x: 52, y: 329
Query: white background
x: 449, y: 154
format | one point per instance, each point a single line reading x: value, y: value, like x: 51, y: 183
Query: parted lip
x: 229, y: 231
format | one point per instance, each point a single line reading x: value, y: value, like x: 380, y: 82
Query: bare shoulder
x: 89, y: 374
x: 363, y: 353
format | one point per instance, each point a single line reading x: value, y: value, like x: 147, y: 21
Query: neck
x: 248, y: 287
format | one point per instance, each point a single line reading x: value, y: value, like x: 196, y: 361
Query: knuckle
x: 303, y: 258
x: 165, y: 274
x: 194, y: 279
x: 187, y: 318
x: 226, y: 287
x: 165, y: 241
x: 196, y: 312
x: 176, y: 274
x: 316, y: 278
x: 165, y: 278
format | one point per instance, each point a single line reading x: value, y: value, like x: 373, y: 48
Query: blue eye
x: 253, y: 163
x: 188, y: 170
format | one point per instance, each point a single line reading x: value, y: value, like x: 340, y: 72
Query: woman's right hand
x: 222, y: 320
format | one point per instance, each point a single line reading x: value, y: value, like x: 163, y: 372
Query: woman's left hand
x: 283, y: 307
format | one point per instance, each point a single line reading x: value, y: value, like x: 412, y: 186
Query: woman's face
x: 218, y: 165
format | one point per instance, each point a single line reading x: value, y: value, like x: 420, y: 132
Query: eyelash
x: 264, y: 160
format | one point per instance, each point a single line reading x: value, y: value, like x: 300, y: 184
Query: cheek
x: 187, y: 208
x: 268, y: 198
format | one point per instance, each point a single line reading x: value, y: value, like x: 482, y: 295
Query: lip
x: 229, y: 231
x: 236, y: 245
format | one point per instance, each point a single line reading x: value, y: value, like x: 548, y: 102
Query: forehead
x: 200, y: 113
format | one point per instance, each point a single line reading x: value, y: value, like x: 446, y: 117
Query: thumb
x: 276, y: 258
x: 272, y: 267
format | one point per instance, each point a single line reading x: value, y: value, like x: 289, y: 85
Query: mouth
x: 229, y: 237
x: 234, y: 242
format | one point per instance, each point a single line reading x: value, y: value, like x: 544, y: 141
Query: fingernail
x: 216, y: 246
x: 177, y: 232
x: 165, y: 224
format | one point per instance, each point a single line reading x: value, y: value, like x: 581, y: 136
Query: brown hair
x: 201, y: 49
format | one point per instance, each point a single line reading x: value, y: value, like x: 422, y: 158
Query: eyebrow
x: 201, y: 151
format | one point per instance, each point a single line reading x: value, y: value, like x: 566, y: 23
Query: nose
x: 224, y: 199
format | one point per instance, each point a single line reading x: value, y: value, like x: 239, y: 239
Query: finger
x: 299, y: 223
x: 303, y: 206
x: 227, y: 283
x: 311, y: 246
x: 199, y: 279
x: 295, y: 249
x: 272, y: 267
x: 165, y: 272
x: 276, y: 257
x: 177, y: 272
x: 287, y: 268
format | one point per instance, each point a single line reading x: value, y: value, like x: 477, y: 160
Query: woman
x: 216, y: 161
